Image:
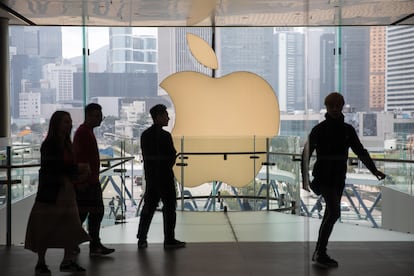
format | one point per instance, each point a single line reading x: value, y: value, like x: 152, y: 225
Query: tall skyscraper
x: 400, y: 69
x: 290, y: 75
x: 312, y: 70
x: 60, y: 78
x: 33, y: 47
x: 247, y: 49
x: 128, y: 85
x: 129, y: 53
x: 377, y: 68
x: 44, y: 43
x: 355, y: 67
x: 25, y: 39
x: 50, y: 44
x: 327, y: 66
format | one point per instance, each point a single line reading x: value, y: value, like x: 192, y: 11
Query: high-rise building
x: 377, y: 68
x: 327, y: 66
x: 42, y: 42
x: 312, y: 70
x: 129, y: 85
x: 25, y: 39
x: 242, y: 49
x: 32, y: 47
x: 290, y: 74
x: 50, y: 44
x: 129, y: 53
x: 60, y: 78
x: 29, y: 105
x: 400, y: 69
x: 355, y: 67
x: 248, y: 49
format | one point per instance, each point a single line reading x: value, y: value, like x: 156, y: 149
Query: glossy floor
x: 245, y: 243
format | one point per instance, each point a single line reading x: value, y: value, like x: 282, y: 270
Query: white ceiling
x: 208, y: 12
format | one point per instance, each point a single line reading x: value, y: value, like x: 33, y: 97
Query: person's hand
x: 380, y: 175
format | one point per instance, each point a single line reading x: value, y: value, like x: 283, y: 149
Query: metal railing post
x: 182, y: 174
x: 9, y: 197
x: 267, y: 176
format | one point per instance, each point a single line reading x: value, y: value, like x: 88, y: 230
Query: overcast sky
x: 98, y: 37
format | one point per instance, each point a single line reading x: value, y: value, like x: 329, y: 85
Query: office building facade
x: 400, y: 70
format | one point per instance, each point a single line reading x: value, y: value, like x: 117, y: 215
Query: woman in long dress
x: 54, y: 220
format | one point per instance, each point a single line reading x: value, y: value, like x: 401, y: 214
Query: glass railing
x: 399, y: 156
x: 21, y: 160
x: 247, y: 175
x: 120, y: 177
x: 19, y: 167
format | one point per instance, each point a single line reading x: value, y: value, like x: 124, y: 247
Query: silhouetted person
x: 119, y: 205
x: 331, y: 139
x: 54, y: 221
x: 111, y: 205
x: 159, y: 158
x: 89, y: 195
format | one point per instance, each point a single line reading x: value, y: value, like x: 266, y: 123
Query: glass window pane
x: 371, y: 66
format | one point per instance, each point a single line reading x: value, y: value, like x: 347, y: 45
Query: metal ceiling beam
x: 16, y: 14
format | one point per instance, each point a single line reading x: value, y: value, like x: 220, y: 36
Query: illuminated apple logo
x: 233, y: 114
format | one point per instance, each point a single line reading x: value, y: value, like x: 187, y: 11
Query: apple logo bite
x: 233, y: 114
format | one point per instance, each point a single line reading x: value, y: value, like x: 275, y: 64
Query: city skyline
x: 98, y: 37
x: 28, y: 58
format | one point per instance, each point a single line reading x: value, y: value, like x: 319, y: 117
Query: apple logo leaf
x: 202, y: 51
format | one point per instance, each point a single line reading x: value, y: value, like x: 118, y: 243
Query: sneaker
x: 174, y: 244
x: 142, y: 244
x: 315, y: 253
x: 323, y: 260
x: 42, y: 269
x: 71, y: 266
x: 100, y: 251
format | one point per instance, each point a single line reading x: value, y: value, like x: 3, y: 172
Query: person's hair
x: 157, y: 110
x: 334, y: 97
x: 53, y: 132
x: 90, y: 108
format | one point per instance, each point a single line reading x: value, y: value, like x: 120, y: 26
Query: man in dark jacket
x: 89, y: 194
x: 331, y: 139
x: 159, y: 156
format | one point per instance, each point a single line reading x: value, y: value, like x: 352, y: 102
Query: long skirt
x: 56, y: 225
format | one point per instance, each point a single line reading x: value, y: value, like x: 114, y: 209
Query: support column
x: 4, y: 79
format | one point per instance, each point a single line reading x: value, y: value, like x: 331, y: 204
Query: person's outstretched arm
x: 363, y: 154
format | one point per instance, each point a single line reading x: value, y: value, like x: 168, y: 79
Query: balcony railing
x: 276, y: 186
